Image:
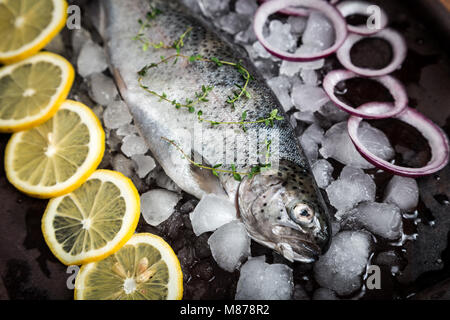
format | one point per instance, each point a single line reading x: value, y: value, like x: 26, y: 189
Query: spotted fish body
x: 289, y: 183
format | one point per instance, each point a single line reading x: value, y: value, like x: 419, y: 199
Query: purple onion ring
x: 436, y: 138
x: 398, y: 45
x: 270, y: 7
x: 396, y: 89
x: 347, y: 8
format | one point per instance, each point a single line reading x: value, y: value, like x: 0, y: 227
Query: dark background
x: 28, y: 270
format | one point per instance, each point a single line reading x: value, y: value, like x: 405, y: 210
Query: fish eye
x: 302, y: 213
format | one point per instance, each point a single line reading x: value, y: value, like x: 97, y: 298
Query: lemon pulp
x: 94, y: 220
x: 144, y: 269
x: 57, y: 156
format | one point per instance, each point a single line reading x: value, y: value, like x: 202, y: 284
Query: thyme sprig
x: 197, y: 57
x: 256, y: 169
x: 177, y: 45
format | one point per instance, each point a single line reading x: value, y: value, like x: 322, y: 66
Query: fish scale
x: 156, y: 119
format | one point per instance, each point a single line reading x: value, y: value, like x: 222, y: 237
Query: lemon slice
x: 145, y: 268
x: 26, y: 26
x: 32, y: 90
x: 93, y: 221
x: 59, y: 155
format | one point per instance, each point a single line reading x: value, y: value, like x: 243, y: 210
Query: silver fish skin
x: 282, y: 208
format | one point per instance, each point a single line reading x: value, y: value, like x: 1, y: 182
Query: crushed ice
x: 322, y: 132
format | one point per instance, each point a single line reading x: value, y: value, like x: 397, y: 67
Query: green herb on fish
x: 268, y: 121
x: 231, y: 100
x: 256, y: 169
x: 151, y: 15
x: 177, y: 45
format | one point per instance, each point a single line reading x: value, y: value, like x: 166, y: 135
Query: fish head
x: 284, y: 210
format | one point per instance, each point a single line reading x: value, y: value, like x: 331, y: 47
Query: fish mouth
x: 305, y: 251
x: 310, y: 252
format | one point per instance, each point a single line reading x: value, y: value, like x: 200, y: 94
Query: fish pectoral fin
x: 205, y: 178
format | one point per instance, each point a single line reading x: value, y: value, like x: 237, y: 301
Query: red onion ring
x: 398, y: 45
x: 348, y: 8
x: 270, y: 7
x: 297, y: 11
x: 396, y: 89
x: 436, y: 138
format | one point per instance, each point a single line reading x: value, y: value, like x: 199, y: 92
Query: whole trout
x: 279, y: 203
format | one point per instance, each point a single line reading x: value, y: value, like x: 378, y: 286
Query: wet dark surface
x: 379, y: 58
x: 28, y: 270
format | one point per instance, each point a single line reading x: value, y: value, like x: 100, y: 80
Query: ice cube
x: 315, y: 133
x: 335, y: 227
x: 157, y: 205
x: 123, y: 165
x: 298, y: 24
x: 348, y: 172
x: 338, y: 145
x: 267, y: 68
x: 308, y: 98
x: 79, y: 38
x: 324, y: 294
x: 246, y: 7
x: 341, y: 267
x: 291, y: 68
x: 402, y: 192
x: 293, y: 122
x: 322, y: 171
x: 261, y: 281
x: 310, y: 148
x: 332, y: 113
x: 133, y: 145
x: 91, y: 59
x: 319, y: 31
x: 127, y: 129
x: 281, y: 86
x: 102, y: 89
x: 230, y: 245
x: 306, y: 50
x: 213, y: 8
x: 211, y: 213
x: 382, y: 219
x: 348, y: 191
x: 307, y: 116
x: 376, y: 141
x: 309, y: 77
x: 280, y: 36
x: 144, y: 164
x: 260, y: 51
x: 246, y: 36
x: 117, y: 115
x: 233, y: 23
x: 193, y: 5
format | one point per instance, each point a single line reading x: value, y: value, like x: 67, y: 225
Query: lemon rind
x: 175, y: 284
x: 92, y: 161
x: 131, y: 219
x: 55, y: 26
x: 68, y: 77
